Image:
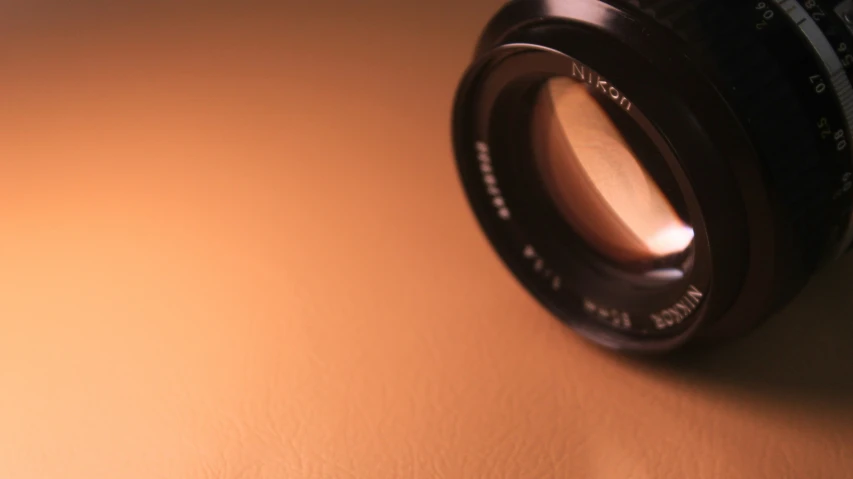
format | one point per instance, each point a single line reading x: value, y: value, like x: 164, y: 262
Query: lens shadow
x: 805, y: 352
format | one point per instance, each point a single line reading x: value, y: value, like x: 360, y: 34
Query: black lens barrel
x: 752, y: 103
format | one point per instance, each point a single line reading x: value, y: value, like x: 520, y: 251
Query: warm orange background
x: 232, y: 245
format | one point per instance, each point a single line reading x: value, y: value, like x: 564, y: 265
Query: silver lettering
x: 614, y: 93
x: 677, y: 313
x: 490, y: 180
x: 578, y: 71
x: 540, y: 267
x: 683, y: 310
x: 582, y: 73
x: 615, y: 317
x: 695, y: 294
x: 556, y: 283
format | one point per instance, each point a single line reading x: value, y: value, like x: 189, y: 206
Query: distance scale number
x: 846, y: 186
x: 843, y: 50
x: 817, y: 82
x: 842, y: 44
x: 836, y: 33
x: 839, y: 136
x: 831, y: 130
x: 765, y: 15
x: 815, y: 11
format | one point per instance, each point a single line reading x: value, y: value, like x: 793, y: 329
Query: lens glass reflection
x: 597, y: 181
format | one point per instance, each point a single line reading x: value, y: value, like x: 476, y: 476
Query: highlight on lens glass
x: 659, y: 184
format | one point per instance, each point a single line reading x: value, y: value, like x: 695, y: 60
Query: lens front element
x: 596, y: 179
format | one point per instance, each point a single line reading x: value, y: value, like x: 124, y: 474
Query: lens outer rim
x: 645, y: 62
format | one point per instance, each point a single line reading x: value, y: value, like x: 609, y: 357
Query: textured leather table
x: 232, y: 245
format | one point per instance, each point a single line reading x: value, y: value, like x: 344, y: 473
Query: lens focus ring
x: 771, y: 75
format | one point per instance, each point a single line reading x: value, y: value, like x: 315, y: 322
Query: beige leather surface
x: 232, y: 245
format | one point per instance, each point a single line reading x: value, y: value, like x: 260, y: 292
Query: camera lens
x: 598, y: 181
x: 659, y: 173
